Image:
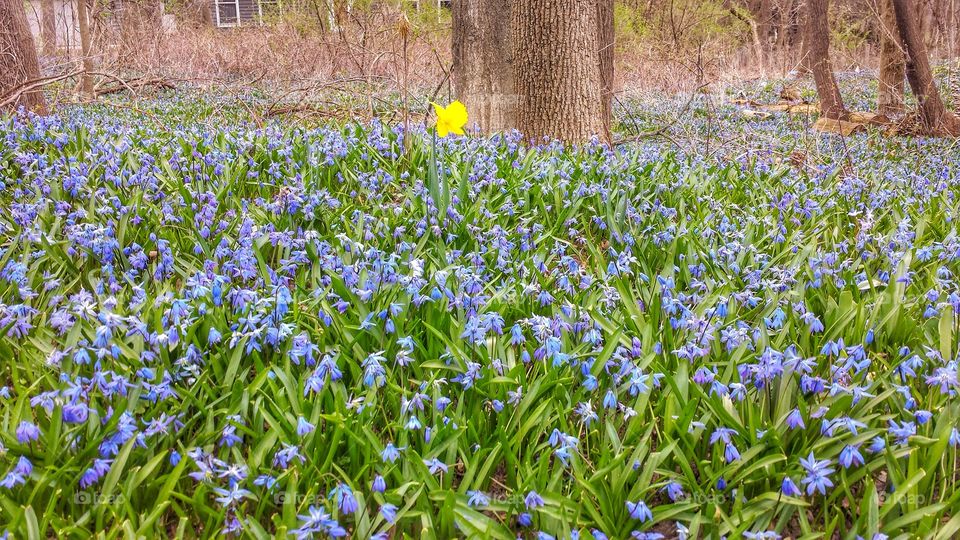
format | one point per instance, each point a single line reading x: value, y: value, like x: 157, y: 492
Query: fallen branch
x: 299, y: 108
x: 12, y: 95
x: 337, y: 84
x: 132, y: 86
x: 306, y: 108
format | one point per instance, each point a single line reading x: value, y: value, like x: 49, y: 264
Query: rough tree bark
x: 934, y: 116
x: 484, y: 73
x: 483, y: 62
x: 18, y: 56
x: 555, y: 46
x: 818, y: 35
x: 890, y: 95
x: 48, y: 27
x: 83, y: 22
x: 605, y: 36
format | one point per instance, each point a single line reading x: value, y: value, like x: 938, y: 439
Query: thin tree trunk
x: 805, y: 65
x: 48, y: 27
x: 557, y: 71
x: 934, y: 116
x: 605, y: 35
x: 784, y: 15
x: 757, y: 43
x: 18, y: 56
x: 818, y: 35
x: 891, y: 82
x: 925, y: 22
x: 784, y: 28
x: 795, y: 38
x: 483, y: 74
x: 938, y: 28
x: 954, y: 23
x: 764, y: 17
x: 86, y: 78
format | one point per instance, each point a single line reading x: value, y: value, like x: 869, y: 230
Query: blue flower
x: 533, y: 500
x: 389, y: 512
x: 818, y: 475
x: 902, y: 432
x: 232, y: 496
x: 477, y: 498
x: 75, y: 413
x: 610, y: 400
x: 795, y: 419
x: 390, y: 453
x: 789, y: 488
x: 674, y: 490
x: 639, y: 511
x: 342, y: 495
x: 23, y: 466
x: 27, y: 432
x: 304, y: 427
x: 850, y: 456
x: 434, y: 465
x: 317, y: 520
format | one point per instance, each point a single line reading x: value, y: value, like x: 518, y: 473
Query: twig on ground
x: 661, y: 131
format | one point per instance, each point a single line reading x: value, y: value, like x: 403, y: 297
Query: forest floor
x: 239, y: 312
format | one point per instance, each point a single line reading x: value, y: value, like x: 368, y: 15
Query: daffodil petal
x: 451, y: 118
x: 457, y: 113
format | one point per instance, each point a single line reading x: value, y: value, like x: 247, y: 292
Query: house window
x: 227, y: 12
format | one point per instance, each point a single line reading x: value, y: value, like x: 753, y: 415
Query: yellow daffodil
x: 450, y: 119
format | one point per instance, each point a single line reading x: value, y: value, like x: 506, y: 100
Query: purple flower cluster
x: 308, y: 314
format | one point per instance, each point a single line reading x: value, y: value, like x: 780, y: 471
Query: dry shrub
x: 671, y: 47
x: 367, y: 45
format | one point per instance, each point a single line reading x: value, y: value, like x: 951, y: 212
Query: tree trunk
x: 786, y: 18
x: 934, y: 117
x: 757, y: 43
x: 555, y: 46
x: 925, y: 21
x: 605, y: 35
x: 890, y: 96
x: 18, y: 56
x: 763, y: 14
x: 86, y: 78
x: 818, y: 35
x: 953, y: 23
x: 48, y: 27
x: 483, y: 77
x: 805, y: 65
